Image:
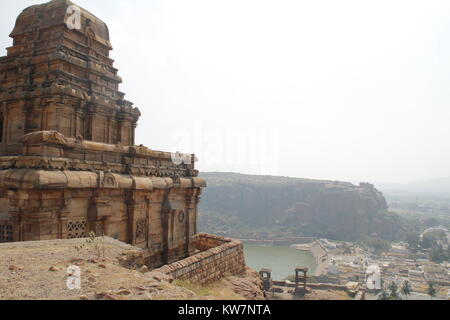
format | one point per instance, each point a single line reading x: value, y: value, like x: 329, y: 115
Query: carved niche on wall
x: 141, y: 227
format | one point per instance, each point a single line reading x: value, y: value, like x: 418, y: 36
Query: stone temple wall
x: 221, y: 256
x: 69, y: 162
x: 157, y: 214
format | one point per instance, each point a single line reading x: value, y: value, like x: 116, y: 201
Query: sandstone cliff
x: 263, y: 206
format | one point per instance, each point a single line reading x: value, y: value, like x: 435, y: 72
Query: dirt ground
x: 39, y: 271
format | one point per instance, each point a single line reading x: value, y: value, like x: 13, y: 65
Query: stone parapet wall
x: 319, y: 252
x: 218, y: 257
x: 316, y: 286
x: 205, y: 241
x: 58, y: 179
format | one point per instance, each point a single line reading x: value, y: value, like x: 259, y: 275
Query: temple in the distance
x: 69, y: 163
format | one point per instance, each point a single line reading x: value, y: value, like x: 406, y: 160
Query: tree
x: 383, y: 295
x: 379, y: 245
x: 438, y: 254
x: 431, y: 291
x: 413, y: 240
x: 406, y: 289
x: 394, y: 291
x: 428, y: 241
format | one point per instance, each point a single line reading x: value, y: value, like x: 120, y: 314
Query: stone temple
x: 69, y: 163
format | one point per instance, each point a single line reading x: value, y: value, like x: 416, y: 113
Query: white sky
x: 343, y: 90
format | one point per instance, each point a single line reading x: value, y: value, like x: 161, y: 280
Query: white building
x: 332, y: 268
x: 373, y: 274
x: 399, y: 248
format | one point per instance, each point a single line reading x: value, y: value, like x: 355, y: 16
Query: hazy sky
x: 342, y: 90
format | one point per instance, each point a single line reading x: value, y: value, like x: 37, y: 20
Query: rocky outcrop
x: 248, y: 285
x: 288, y: 206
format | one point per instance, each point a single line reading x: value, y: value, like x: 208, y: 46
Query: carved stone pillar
x: 59, y: 116
x: 147, y: 221
x: 165, y: 215
x: 98, y: 214
x: 89, y: 122
x: 120, y: 121
x: 4, y: 133
x: 108, y: 130
x: 15, y: 219
x: 187, y: 222
x: 63, y: 217
x: 197, y: 202
x: 133, y: 134
x: 129, y: 201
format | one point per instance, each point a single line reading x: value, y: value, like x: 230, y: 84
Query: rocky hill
x: 249, y: 206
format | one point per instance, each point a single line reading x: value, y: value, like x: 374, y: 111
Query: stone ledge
x: 42, y: 179
x: 57, y: 162
x: 55, y: 138
x: 63, y: 242
x: 52, y: 150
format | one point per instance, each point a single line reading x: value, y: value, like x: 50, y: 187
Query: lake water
x: 282, y: 260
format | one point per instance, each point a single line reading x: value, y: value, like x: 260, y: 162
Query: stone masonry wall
x: 218, y: 257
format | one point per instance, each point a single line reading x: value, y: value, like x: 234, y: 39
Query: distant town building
x: 373, y: 274
x: 332, y: 268
x: 399, y: 248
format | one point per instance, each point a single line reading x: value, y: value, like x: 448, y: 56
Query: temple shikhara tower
x: 68, y: 160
